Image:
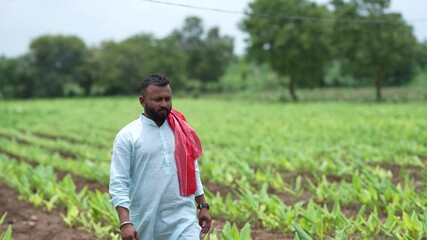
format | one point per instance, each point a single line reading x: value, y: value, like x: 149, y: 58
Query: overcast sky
x: 98, y: 20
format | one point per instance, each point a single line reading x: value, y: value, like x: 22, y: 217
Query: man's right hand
x: 128, y: 232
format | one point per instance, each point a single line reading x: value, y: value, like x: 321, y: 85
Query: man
x: 154, y: 176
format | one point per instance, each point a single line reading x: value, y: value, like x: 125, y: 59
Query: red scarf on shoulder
x: 187, y: 149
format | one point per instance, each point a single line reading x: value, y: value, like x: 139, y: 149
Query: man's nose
x: 163, y: 103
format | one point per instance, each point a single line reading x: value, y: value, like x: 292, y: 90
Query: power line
x: 345, y: 20
x: 196, y: 7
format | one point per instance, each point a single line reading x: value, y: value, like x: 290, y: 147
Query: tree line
x: 299, y: 40
x: 57, y: 65
x: 362, y: 37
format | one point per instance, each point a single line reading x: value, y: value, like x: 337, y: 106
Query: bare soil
x: 29, y: 223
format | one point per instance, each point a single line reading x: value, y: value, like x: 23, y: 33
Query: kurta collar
x: 150, y: 122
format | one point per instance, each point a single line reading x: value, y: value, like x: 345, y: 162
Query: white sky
x: 95, y: 21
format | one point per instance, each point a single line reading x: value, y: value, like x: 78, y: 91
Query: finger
x: 136, y: 235
x: 205, y: 229
x: 206, y: 226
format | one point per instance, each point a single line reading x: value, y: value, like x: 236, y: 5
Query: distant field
x: 342, y: 170
x: 263, y: 84
x: 361, y: 95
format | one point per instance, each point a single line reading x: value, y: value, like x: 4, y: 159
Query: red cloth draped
x: 187, y: 149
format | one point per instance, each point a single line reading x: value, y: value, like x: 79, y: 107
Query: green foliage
x: 300, y: 233
x: 62, y: 65
x: 57, y: 60
x: 232, y: 232
x: 377, y: 46
x: 91, y: 210
x: 174, y: 62
x: 297, y: 48
x: 208, y: 54
x: 15, y: 77
x: 122, y: 66
x: 291, y: 44
x: 335, y: 76
x: 421, y: 55
x: 324, y: 166
x: 6, y: 235
x: 420, y: 80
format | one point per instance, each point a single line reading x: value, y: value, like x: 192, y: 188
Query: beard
x: 159, y: 115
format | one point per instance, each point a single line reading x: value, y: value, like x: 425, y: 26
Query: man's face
x: 157, y: 102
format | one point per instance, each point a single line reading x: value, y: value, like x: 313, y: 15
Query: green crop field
x: 334, y: 170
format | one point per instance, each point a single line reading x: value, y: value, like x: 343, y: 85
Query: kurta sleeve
x: 120, y: 171
x: 198, y: 180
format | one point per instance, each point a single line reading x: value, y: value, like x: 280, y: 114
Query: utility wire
x: 196, y: 7
x: 346, y: 20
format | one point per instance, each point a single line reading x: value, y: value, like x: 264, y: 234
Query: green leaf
x: 407, y: 220
x: 7, y: 235
x: 341, y: 234
x: 300, y: 232
x: 245, y: 232
x: 235, y: 232
x: 213, y: 235
x: 361, y: 212
x: 336, y: 208
x: 425, y: 223
x: 226, y: 232
x: 2, y: 218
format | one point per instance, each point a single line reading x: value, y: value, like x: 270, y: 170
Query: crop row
x: 351, y: 170
x: 88, y: 210
x: 372, y: 189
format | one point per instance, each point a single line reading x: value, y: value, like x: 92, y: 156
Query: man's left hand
x: 205, y: 220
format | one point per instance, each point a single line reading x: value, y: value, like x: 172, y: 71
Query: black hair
x: 157, y: 79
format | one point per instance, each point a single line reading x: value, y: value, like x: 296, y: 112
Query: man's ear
x: 141, y: 100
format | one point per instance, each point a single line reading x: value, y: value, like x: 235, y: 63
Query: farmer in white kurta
x: 154, y: 196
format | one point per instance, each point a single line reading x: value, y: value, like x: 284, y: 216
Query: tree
x: 171, y: 62
x: 190, y: 39
x: 377, y: 44
x: 297, y: 47
x: 119, y: 68
x: 15, y: 80
x: 421, y: 55
x: 208, y: 55
x: 58, y: 61
x: 218, y: 52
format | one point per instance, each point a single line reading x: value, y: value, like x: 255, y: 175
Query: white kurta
x: 144, y: 179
